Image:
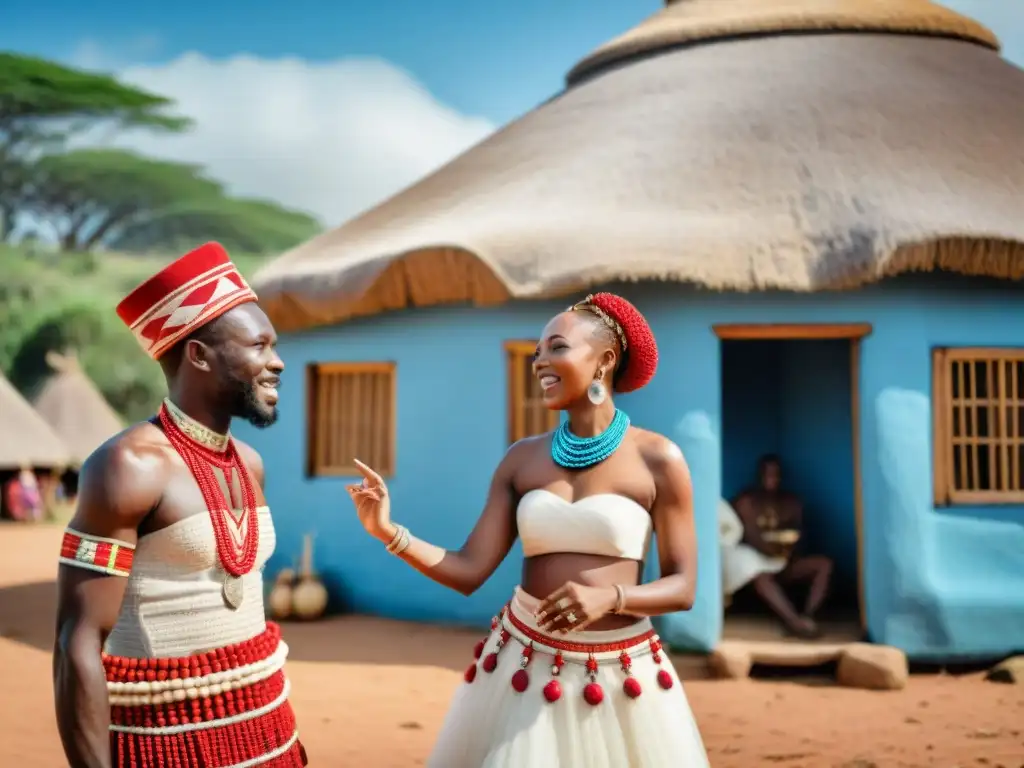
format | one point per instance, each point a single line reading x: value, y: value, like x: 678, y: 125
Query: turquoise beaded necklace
x: 574, y: 452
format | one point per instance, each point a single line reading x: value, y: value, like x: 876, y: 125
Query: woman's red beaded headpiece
x: 639, y: 349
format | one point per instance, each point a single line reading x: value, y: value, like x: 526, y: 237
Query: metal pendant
x: 233, y: 591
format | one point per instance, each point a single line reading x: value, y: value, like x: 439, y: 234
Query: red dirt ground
x: 370, y: 692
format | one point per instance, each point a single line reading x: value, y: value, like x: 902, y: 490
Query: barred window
x: 527, y: 414
x: 978, y: 412
x: 351, y: 414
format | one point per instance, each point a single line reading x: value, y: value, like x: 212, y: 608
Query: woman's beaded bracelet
x: 404, y: 543
x: 620, y: 599
x: 400, y: 541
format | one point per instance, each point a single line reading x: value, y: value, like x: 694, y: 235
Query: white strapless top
x: 173, y: 604
x: 604, y: 524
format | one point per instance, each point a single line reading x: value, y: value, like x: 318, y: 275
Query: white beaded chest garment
x: 174, y: 605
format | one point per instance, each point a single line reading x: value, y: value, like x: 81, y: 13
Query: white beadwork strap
x: 168, y: 730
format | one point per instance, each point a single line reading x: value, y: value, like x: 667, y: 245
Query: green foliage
x: 113, y: 198
x: 253, y: 226
x: 34, y: 90
x: 107, y: 351
x: 30, y: 284
x: 88, y: 194
x: 43, y: 104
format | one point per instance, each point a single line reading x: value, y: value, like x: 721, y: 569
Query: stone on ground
x: 730, y: 662
x: 1009, y: 670
x: 874, y: 667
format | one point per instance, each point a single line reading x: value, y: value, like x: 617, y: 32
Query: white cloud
x: 330, y: 138
x: 90, y: 54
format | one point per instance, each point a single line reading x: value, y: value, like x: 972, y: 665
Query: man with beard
x: 163, y: 657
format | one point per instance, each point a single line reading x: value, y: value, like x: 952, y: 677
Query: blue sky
x: 331, y: 106
x: 494, y: 59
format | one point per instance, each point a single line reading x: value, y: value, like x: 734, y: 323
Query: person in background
x: 23, y: 498
x: 772, y: 527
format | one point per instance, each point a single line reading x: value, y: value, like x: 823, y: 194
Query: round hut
x: 26, y: 439
x: 27, y: 442
x: 817, y: 203
x: 75, y: 409
x: 743, y: 145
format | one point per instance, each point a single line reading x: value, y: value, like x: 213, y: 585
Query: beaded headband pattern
x: 587, y: 306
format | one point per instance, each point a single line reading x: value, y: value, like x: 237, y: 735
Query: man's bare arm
x: 118, y: 487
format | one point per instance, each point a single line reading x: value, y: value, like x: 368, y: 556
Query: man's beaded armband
x: 95, y: 553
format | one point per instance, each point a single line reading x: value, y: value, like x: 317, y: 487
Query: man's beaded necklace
x: 202, y: 449
x: 573, y: 452
x: 192, y: 429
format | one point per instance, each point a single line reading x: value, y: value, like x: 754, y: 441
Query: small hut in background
x: 816, y: 203
x: 73, y: 406
x: 28, y: 442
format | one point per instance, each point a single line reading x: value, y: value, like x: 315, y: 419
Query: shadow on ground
x: 369, y: 640
x: 27, y: 614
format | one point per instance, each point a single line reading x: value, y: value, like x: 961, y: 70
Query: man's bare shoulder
x: 141, y: 440
x: 134, y: 464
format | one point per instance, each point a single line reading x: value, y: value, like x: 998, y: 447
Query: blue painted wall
x: 938, y: 583
x: 793, y: 398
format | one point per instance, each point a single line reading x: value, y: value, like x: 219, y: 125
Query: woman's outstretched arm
x: 468, y: 567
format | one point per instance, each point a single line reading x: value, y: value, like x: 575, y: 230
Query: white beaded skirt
x: 590, y: 699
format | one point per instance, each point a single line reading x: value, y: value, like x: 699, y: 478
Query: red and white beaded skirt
x: 226, y: 708
x: 601, y: 699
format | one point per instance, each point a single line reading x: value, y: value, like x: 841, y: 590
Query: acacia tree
x: 43, y: 103
x: 88, y: 195
x: 127, y: 202
x: 244, y: 225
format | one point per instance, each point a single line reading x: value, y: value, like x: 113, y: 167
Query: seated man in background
x: 772, y: 525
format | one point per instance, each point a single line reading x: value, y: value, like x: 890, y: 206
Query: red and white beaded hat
x: 199, y: 287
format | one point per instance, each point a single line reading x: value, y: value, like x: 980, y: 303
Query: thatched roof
x: 684, y: 22
x: 719, y: 152
x: 74, y: 407
x: 25, y: 437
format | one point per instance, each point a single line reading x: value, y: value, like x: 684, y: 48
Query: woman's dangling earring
x: 596, y: 392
